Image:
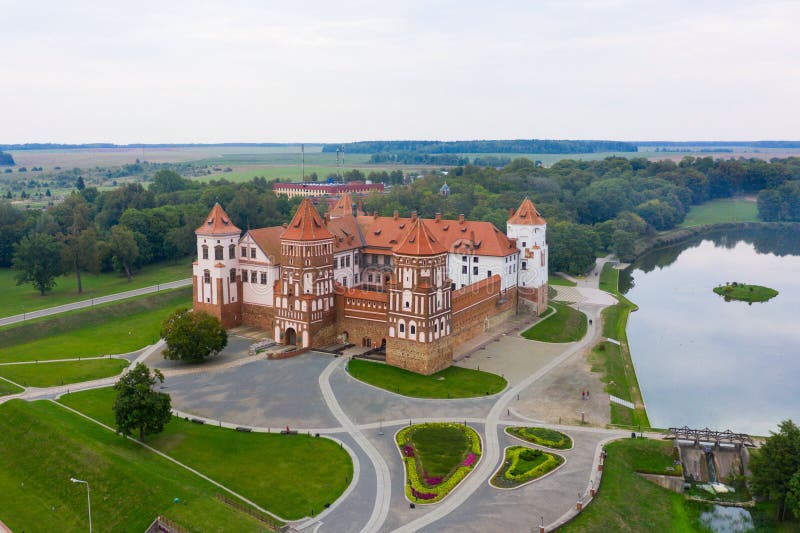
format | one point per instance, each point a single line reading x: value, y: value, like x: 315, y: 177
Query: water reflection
x: 702, y: 361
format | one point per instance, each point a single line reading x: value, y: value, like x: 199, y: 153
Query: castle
x: 412, y: 287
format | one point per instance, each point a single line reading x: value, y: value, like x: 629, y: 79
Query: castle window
x: 402, y: 328
x: 244, y: 251
x: 464, y: 258
x: 524, y: 244
x: 263, y: 278
x: 206, y: 276
x: 348, y: 260
x: 488, y: 273
x: 244, y: 276
x: 524, y: 265
x: 233, y: 275
x: 436, y: 327
x: 408, y: 304
x: 219, y: 253
x: 474, y: 259
x: 369, y: 278
x: 253, y: 275
x: 475, y: 270
x: 412, y: 329
x: 464, y: 269
x: 252, y: 253
x: 232, y: 251
x: 205, y: 252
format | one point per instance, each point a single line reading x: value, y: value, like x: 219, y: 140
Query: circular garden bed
x: 523, y: 465
x: 437, y: 456
x: 548, y: 438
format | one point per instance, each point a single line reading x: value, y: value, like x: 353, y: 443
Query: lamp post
x: 88, y: 497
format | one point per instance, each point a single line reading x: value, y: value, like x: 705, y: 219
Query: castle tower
x: 529, y: 229
x: 217, y: 282
x: 304, y: 312
x: 419, y: 304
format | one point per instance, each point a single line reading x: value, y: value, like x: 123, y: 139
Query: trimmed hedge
x: 543, y: 437
x: 416, y: 490
x: 543, y: 462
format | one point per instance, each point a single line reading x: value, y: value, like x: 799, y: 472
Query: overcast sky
x: 261, y: 71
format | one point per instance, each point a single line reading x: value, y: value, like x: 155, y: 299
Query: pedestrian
x: 583, y: 395
x: 587, y: 394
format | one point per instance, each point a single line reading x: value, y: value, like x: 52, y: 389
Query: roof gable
x: 418, y: 240
x: 217, y: 223
x: 306, y: 225
x: 526, y: 214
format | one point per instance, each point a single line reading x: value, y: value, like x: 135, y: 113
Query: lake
x: 702, y: 361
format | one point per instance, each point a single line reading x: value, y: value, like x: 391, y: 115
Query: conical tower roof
x: 217, y: 223
x: 306, y: 225
x: 527, y: 214
x: 419, y: 240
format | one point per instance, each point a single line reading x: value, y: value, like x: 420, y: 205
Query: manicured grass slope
x: 43, y: 445
x: 15, y: 299
x: 721, y: 210
x: 52, y: 374
x: 452, y: 382
x: 7, y: 388
x: 567, y: 325
x: 609, y: 278
x: 115, y: 329
x: 627, y: 502
x: 558, y: 280
x: 290, y: 475
x: 440, y: 449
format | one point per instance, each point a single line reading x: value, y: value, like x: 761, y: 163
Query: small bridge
x: 709, y: 435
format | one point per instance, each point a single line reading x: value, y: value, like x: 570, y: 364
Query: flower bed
x: 424, y: 488
x: 523, y: 464
x: 542, y: 436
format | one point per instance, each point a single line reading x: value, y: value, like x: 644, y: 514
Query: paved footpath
x: 14, y: 319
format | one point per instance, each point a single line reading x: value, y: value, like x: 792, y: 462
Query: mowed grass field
x: 113, y: 329
x: 62, y: 373
x: 452, y: 382
x: 44, y: 445
x: 290, y: 475
x: 7, y: 388
x: 16, y: 299
x: 722, y: 210
x: 567, y: 325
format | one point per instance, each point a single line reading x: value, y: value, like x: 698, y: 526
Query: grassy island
x: 522, y: 465
x: 549, y: 438
x: 452, y: 382
x: 437, y: 457
x: 745, y: 293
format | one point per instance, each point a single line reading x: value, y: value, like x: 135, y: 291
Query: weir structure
x: 709, y: 435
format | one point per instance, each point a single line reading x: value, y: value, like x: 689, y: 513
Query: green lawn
x: 452, y: 382
x: 627, y: 502
x: 43, y: 446
x: 523, y: 464
x: 609, y: 279
x: 53, y: 374
x: 439, y: 449
x: 721, y: 210
x: 7, y: 388
x: 543, y: 437
x: 746, y: 293
x: 290, y: 475
x: 15, y: 299
x: 118, y: 328
x: 558, y: 280
x: 567, y: 325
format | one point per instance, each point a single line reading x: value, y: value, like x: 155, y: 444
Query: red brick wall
x: 474, y: 304
x: 229, y: 314
x: 258, y: 316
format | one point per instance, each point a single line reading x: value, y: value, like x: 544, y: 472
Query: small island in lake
x: 745, y: 293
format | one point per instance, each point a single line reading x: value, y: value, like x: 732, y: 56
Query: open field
x: 609, y: 279
x: 722, y: 210
x: 7, y: 388
x: 43, y: 445
x: 16, y: 299
x: 567, y: 325
x: 452, y: 382
x: 558, y: 280
x: 54, y: 374
x: 113, y: 329
x: 291, y: 475
x: 627, y: 502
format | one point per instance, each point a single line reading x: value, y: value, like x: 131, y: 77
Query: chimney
x: 461, y: 218
x: 396, y: 214
x: 437, y: 217
x: 472, y: 235
x: 511, y: 212
x: 413, y: 216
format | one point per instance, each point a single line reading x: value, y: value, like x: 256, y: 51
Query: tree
x: 572, y: 247
x: 138, y: 406
x: 793, y: 496
x: 79, y: 238
x: 774, y: 466
x: 124, y: 249
x: 165, y: 181
x: 36, y: 259
x: 192, y: 336
x: 80, y: 184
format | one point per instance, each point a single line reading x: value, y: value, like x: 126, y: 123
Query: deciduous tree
x: 124, y: 249
x: 775, y: 465
x: 192, y: 336
x: 37, y: 261
x: 138, y: 406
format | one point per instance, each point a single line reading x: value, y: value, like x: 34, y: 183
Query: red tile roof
x: 269, y: 239
x: 418, y: 240
x: 217, y: 223
x: 527, y: 214
x: 346, y: 233
x: 306, y: 224
x: 344, y: 207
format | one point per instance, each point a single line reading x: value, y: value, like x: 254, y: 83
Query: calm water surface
x: 702, y: 361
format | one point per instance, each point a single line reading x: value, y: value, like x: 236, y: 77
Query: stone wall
x: 478, y: 307
x: 258, y: 316
x: 421, y: 357
x: 362, y: 315
x: 229, y: 314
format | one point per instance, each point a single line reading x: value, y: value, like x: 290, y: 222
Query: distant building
x: 326, y: 189
x: 415, y: 287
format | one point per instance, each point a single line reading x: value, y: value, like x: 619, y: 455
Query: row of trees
x: 514, y: 146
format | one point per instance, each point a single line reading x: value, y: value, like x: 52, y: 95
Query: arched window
x: 232, y: 251
x: 205, y: 252
x: 402, y: 328
x: 219, y: 253
x: 413, y: 329
x: 233, y: 275
x: 206, y: 276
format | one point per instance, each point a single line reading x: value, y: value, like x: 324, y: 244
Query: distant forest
x: 518, y: 146
x: 753, y: 144
x: 6, y: 159
x: 57, y: 146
